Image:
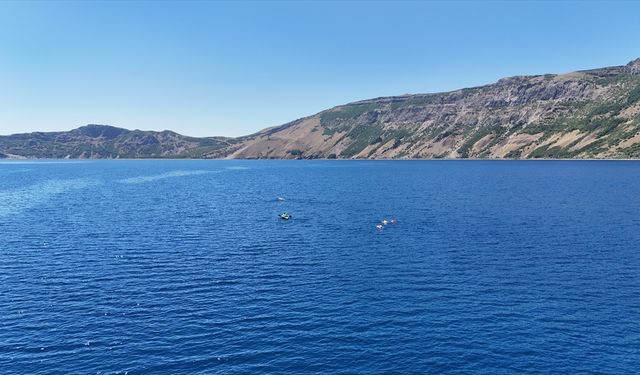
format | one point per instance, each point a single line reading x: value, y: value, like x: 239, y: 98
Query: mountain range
x: 585, y: 114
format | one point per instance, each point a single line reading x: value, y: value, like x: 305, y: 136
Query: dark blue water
x: 182, y: 267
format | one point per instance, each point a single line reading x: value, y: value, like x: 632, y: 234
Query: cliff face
x: 101, y: 141
x: 586, y: 114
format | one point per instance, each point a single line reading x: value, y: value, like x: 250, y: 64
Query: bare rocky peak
x: 634, y: 66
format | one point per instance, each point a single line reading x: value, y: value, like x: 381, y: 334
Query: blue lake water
x: 182, y: 267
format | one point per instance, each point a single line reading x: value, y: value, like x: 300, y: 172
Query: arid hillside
x: 585, y: 114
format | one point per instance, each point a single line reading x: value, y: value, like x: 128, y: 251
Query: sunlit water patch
x: 162, y: 176
x: 11, y: 171
x: 40, y: 162
x: 21, y: 199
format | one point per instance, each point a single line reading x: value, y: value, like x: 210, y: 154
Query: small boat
x: 379, y: 226
x: 284, y: 216
x: 385, y: 222
x: 280, y: 199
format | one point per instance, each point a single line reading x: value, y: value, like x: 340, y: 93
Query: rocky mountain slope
x: 585, y: 114
x: 101, y: 141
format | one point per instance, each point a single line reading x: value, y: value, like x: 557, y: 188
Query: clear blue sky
x: 233, y: 68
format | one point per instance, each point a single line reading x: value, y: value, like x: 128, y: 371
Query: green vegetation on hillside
x: 346, y: 112
x: 361, y: 137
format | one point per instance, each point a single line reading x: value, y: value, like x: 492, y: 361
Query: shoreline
x: 11, y: 159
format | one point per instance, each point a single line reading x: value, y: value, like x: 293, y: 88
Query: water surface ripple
x: 147, y: 267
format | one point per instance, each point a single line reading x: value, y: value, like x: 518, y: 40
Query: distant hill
x: 102, y: 141
x: 585, y: 114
